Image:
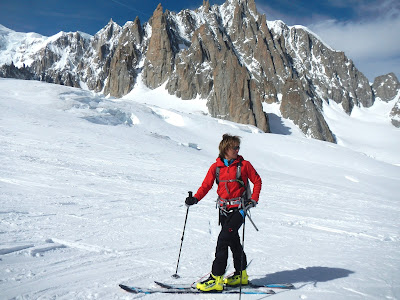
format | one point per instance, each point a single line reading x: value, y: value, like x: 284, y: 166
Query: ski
x: 250, y: 285
x: 189, y: 290
x: 249, y: 289
x: 287, y: 286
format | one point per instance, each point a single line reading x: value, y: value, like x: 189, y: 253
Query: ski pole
x: 241, y: 260
x: 248, y: 215
x: 183, y: 234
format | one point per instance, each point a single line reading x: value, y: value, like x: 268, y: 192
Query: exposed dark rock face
x: 299, y: 106
x: 160, y: 55
x: 11, y: 71
x: 124, y: 63
x: 386, y: 87
x: 395, y: 114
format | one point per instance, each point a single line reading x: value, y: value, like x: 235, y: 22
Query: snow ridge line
x: 84, y: 246
x: 339, y: 231
x: 39, y: 250
x: 53, y: 244
x: 4, y: 251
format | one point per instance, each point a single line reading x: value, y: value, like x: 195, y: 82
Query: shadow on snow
x: 277, y: 126
x: 310, y: 274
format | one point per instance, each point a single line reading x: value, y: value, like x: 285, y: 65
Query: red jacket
x: 230, y: 190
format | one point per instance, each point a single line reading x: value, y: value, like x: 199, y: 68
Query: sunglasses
x: 236, y: 148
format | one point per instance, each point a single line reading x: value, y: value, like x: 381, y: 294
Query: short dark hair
x: 228, y: 141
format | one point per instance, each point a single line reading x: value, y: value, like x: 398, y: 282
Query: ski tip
x: 162, y: 284
x: 124, y: 287
x: 132, y: 289
x: 288, y: 286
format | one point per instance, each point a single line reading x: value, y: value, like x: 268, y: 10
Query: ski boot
x: 212, y: 283
x: 235, y: 279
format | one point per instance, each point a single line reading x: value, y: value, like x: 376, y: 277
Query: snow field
x: 92, y: 193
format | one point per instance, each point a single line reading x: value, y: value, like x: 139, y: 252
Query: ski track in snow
x: 92, y: 193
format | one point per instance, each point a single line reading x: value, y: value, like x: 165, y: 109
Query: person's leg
x: 221, y: 251
x: 237, y: 251
x: 239, y: 257
x: 216, y: 280
x: 228, y: 237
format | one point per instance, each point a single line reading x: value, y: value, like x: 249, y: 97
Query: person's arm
x: 207, y: 183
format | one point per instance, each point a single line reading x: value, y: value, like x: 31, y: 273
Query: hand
x: 191, y: 200
x: 251, y: 203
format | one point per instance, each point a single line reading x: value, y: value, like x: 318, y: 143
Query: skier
x: 231, y: 172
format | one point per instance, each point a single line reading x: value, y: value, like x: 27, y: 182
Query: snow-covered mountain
x: 93, y: 189
x: 228, y: 54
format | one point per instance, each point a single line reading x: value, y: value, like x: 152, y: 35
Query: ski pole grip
x: 190, y: 194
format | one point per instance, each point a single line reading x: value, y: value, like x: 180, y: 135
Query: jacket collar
x: 220, y: 162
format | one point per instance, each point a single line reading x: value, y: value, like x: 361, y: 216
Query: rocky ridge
x: 228, y: 54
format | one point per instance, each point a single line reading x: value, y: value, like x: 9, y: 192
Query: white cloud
x: 362, y: 39
x: 371, y: 38
x: 366, y: 42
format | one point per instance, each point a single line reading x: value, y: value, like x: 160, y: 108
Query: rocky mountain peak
x: 160, y: 56
x: 386, y: 87
x: 206, y: 5
x: 108, y: 31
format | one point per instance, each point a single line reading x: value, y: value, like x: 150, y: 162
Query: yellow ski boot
x: 213, y: 283
x: 235, y: 279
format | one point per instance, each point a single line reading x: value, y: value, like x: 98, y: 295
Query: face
x: 232, y: 152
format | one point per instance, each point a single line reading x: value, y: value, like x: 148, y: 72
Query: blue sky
x: 368, y: 31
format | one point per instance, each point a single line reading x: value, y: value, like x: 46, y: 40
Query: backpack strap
x: 238, y: 174
x: 247, y: 190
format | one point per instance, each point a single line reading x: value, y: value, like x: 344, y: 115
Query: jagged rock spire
x: 160, y: 56
x: 206, y: 5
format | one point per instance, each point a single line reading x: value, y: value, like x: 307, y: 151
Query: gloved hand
x: 191, y: 200
x: 249, y: 204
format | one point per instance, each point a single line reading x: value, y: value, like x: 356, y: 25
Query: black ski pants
x: 229, y: 238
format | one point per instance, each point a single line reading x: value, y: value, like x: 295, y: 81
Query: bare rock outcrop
x: 124, y: 63
x: 386, y: 87
x: 298, y: 105
x: 160, y: 56
x: 395, y: 114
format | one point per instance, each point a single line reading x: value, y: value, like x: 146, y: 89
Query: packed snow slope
x: 93, y: 189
